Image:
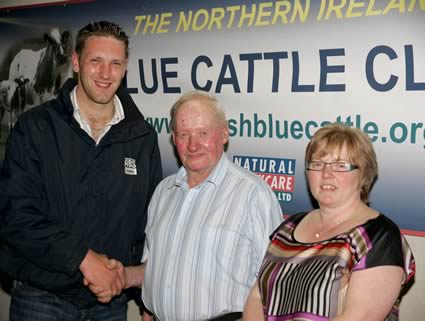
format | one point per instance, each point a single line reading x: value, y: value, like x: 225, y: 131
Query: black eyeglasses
x: 334, y: 166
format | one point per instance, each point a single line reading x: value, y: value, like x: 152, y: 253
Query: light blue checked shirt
x: 204, y: 245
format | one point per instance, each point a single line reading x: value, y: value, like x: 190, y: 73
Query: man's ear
x: 225, y: 135
x: 125, y: 68
x: 75, y: 62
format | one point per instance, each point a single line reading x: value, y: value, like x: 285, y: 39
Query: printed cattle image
x: 42, y: 67
x: 12, y: 99
x: 34, y: 75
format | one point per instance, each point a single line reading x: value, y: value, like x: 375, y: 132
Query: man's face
x: 199, y: 138
x: 100, y: 67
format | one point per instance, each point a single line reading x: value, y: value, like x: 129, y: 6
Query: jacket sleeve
x: 26, y: 228
x: 156, y: 172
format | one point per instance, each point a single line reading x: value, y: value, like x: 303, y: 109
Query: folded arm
x: 372, y: 293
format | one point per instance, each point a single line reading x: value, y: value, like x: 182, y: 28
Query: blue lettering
x: 392, y: 81
x: 410, y: 71
x: 296, y: 87
x: 201, y: 59
x: 169, y: 74
x: 276, y: 56
x: 145, y: 88
x: 325, y: 69
x: 232, y: 80
x: 250, y: 57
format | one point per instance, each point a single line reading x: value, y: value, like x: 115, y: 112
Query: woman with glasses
x: 343, y: 260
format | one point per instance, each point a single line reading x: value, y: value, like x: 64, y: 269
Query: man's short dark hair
x: 100, y: 29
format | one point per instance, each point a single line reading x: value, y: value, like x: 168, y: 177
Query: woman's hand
x: 253, y: 310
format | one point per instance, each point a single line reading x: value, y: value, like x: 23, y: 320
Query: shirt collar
x: 116, y: 118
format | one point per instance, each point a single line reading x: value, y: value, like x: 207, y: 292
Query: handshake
x: 107, y: 277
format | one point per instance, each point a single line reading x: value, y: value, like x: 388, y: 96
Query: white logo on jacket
x: 130, y: 167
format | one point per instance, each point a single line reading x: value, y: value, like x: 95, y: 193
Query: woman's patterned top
x: 309, y: 281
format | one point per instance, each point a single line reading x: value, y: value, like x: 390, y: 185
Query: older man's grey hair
x: 197, y: 95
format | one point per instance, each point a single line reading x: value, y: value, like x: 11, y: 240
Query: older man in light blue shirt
x: 208, y: 225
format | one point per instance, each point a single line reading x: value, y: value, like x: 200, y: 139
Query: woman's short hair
x: 197, y: 95
x: 360, y: 152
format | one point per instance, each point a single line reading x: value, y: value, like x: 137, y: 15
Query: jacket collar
x: 132, y: 126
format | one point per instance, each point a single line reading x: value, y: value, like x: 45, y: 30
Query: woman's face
x: 334, y: 189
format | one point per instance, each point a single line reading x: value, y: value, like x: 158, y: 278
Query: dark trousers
x: 30, y: 304
x: 234, y: 316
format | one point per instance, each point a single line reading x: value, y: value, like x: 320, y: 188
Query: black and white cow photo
x: 35, y: 75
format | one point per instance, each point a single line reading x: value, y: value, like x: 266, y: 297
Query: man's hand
x: 146, y: 316
x: 102, y: 294
x: 134, y: 276
x: 104, y: 277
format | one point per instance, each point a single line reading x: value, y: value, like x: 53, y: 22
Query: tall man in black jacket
x: 75, y: 183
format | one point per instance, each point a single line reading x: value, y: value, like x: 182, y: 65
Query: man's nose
x: 193, y: 142
x: 105, y: 71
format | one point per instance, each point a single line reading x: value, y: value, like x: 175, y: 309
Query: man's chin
x: 195, y: 166
x: 104, y: 95
x: 103, y: 100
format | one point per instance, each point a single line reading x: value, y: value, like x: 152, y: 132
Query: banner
x: 281, y: 69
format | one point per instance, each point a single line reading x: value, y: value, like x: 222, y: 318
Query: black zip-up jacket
x: 61, y: 194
